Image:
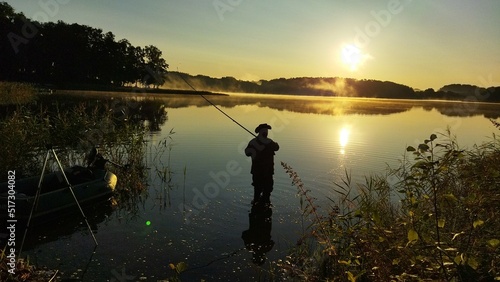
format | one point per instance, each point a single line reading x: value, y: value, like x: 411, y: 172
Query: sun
x: 352, y: 56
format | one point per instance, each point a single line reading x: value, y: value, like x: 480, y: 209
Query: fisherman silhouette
x: 257, y: 238
x: 262, y: 150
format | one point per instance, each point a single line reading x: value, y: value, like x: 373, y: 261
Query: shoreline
x: 126, y: 90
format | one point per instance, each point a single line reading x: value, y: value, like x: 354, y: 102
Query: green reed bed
x: 117, y: 127
x: 434, y: 218
x: 74, y: 126
x: 16, y: 93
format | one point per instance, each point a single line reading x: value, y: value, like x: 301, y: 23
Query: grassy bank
x: 16, y: 93
x: 434, y: 218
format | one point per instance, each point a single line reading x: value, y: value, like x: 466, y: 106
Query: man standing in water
x: 262, y: 149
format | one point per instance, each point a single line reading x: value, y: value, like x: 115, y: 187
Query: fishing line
x: 215, y: 106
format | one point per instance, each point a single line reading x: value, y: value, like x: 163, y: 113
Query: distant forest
x: 72, y: 54
x: 332, y: 86
x: 69, y: 56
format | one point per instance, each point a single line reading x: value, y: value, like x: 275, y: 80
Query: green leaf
x: 351, y: 277
x: 413, y: 200
x: 433, y: 137
x: 477, y: 223
x: 358, y: 213
x: 441, y: 222
x: 423, y: 147
x: 181, y: 266
x: 412, y: 235
x: 458, y: 259
x: 494, y: 243
x: 450, y: 197
x: 346, y: 262
x: 421, y: 164
x: 472, y: 262
x: 410, y: 149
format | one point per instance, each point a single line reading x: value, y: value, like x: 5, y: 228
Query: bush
x: 445, y: 226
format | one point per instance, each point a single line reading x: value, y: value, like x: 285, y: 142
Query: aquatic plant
x: 444, y: 226
x: 24, y: 270
x: 22, y: 139
x: 162, y: 168
x: 74, y: 126
x: 495, y: 123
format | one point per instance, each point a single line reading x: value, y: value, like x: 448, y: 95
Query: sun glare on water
x: 344, y: 139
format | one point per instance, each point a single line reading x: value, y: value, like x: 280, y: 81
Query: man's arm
x: 250, y: 149
x: 276, y: 147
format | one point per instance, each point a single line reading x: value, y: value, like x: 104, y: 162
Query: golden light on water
x: 344, y: 138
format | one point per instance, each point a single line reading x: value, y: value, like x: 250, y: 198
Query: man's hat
x: 262, y: 125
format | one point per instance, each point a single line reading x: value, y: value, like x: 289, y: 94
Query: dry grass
x: 14, y: 93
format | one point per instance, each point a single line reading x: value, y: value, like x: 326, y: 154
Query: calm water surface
x: 201, y: 217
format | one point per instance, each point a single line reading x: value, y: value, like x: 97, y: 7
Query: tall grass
x: 443, y: 228
x: 16, y: 93
x: 73, y: 129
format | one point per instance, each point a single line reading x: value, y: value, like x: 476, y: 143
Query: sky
x: 419, y: 43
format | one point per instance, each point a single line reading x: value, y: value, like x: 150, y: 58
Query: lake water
x: 200, y: 219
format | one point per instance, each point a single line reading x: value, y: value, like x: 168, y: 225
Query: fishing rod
x: 215, y: 106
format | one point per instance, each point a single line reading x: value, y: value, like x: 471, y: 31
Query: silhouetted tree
x: 72, y: 54
x: 155, y: 67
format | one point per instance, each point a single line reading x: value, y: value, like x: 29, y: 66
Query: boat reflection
x: 257, y: 238
x: 45, y: 230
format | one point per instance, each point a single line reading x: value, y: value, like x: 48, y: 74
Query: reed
x: 162, y: 167
x: 443, y: 228
x: 14, y: 93
x: 24, y: 271
x: 74, y: 129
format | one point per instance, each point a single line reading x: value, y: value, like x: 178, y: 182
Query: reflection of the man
x: 258, y: 236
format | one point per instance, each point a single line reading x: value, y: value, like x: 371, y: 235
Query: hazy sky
x: 420, y: 43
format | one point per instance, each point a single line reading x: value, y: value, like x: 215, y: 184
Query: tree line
x: 332, y: 86
x: 73, y: 54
